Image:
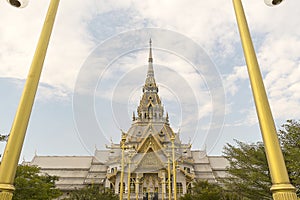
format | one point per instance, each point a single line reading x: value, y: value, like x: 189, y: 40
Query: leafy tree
x: 289, y: 137
x: 92, y: 192
x: 31, y: 184
x: 204, y: 190
x: 3, y: 137
x: 249, y: 170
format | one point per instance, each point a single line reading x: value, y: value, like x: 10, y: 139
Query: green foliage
x: 92, y: 193
x: 31, y: 184
x: 289, y: 137
x: 248, y: 168
x: 3, y: 137
x: 204, y: 190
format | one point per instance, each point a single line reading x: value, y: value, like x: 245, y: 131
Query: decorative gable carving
x: 149, y: 142
x: 150, y: 162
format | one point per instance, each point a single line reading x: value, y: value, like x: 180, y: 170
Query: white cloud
x: 211, y: 24
x: 232, y: 81
x: 69, y: 44
x: 275, y: 31
x: 207, y: 22
x: 281, y: 66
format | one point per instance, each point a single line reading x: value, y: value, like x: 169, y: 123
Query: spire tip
x: 150, y: 51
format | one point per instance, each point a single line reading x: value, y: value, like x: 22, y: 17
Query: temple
x: 150, y: 161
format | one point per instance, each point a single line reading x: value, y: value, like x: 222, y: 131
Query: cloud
x: 82, y: 25
x: 232, y: 80
x: 211, y: 24
x: 69, y: 44
x: 281, y: 66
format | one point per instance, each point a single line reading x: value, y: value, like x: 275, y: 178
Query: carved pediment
x: 150, y: 162
x: 149, y: 142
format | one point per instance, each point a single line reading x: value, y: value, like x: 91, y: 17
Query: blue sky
x: 97, y: 58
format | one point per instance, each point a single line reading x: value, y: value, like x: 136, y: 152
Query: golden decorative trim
x: 285, y: 196
x: 5, y: 195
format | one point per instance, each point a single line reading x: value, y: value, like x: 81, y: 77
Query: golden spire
x: 150, y: 73
x: 150, y: 60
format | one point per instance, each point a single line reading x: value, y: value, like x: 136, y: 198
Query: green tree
x: 289, y: 136
x: 92, y: 192
x: 248, y: 169
x: 204, y: 190
x: 248, y: 165
x: 3, y: 137
x: 31, y: 184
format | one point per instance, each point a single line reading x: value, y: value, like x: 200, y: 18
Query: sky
x: 96, y: 66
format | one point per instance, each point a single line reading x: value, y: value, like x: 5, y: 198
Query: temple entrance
x: 151, y: 186
x: 150, y: 196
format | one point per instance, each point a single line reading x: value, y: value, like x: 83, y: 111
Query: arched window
x: 150, y: 111
x: 132, y: 187
x: 112, y: 187
x: 179, y: 188
x: 120, y: 188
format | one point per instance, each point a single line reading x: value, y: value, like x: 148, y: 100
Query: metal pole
x: 18, y: 131
x: 174, y: 167
x: 169, y: 177
x: 122, y: 166
x: 281, y: 186
x: 137, y: 188
x: 128, y: 180
x: 162, y: 188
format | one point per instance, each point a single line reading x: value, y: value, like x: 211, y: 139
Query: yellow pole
x: 136, y: 188
x: 17, y: 134
x: 174, y: 167
x: 169, y: 177
x: 128, y: 180
x: 281, y: 186
x: 162, y: 188
x: 122, y: 166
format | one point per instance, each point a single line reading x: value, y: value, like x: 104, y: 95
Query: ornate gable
x: 149, y: 142
x: 150, y: 162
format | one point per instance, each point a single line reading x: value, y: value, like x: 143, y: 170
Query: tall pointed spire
x: 150, y: 72
x: 150, y: 105
x: 150, y: 60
